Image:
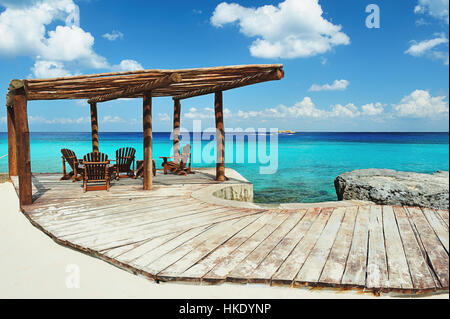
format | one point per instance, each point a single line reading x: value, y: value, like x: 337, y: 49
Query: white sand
x: 34, y: 266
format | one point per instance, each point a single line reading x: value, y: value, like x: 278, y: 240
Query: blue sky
x: 340, y: 75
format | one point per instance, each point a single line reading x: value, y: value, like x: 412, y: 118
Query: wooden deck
x: 169, y: 235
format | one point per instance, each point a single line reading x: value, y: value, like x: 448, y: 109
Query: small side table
x: 140, y: 169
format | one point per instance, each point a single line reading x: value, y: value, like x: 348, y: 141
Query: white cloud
x: 428, y: 48
x: 24, y: 32
x: 372, y: 109
x: 72, y: 44
x: 303, y: 109
x: 127, y: 65
x: 435, y: 8
x: 423, y: 47
x: 24, y: 29
x: 337, y: 85
x: 113, y: 36
x: 3, y: 119
x: 43, y: 120
x: 349, y: 111
x: 293, y: 29
x: 204, y: 114
x: 163, y: 117
x: 113, y: 119
x: 49, y: 69
x: 420, y: 103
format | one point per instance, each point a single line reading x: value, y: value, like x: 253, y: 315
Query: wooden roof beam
x: 14, y: 86
x: 137, y: 89
x: 274, y: 75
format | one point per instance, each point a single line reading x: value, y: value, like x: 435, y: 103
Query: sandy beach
x: 33, y: 266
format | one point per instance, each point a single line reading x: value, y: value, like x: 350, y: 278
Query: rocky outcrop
x: 389, y: 187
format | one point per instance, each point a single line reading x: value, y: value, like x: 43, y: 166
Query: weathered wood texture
x: 274, y: 75
x: 23, y: 149
x: 168, y: 235
x: 176, y: 126
x: 148, y: 141
x: 12, y: 142
x: 220, y: 137
x: 107, y: 86
x: 139, y: 89
x: 94, y: 127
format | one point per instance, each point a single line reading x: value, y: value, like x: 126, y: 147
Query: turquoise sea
x: 307, y: 162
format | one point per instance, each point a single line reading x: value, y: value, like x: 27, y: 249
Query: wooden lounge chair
x: 96, y: 157
x: 125, y: 157
x: 178, y: 165
x: 70, y: 157
x: 96, y: 176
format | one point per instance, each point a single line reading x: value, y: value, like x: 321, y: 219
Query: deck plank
x: 157, y: 251
x: 243, y: 271
x: 194, y: 252
x: 418, y: 268
x: 293, y: 263
x: 220, y: 272
x: 109, y: 238
x: 435, y: 223
x: 377, y: 269
x: 398, y: 269
x: 128, y: 253
x: 336, y: 263
x: 444, y: 215
x: 356, y: 268
x: 264, y: 272
x: 137, y: 217
x: 314, y: 264
x: 435, y: 251
x: 199, y: 270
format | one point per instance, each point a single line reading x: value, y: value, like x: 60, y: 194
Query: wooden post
x: 94, y: 127
x: 176, y: 127
x: 220, y: 137
x: 12, y: 143
x: 148, y: 141
x: 23, y: 148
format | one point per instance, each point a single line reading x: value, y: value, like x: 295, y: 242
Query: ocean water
x: 308, y: 163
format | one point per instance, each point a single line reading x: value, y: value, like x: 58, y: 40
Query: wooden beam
x: 274, y: 75
x: 23, y: 148
x: 12, y: 143
x: 220, y: 137
x: 137, y: 89
x: 115, y: 75
x: 94, y: 128
x: 148, y: 141
x: 176, y: 127
x: 10, y: 99
x: 16, y: 84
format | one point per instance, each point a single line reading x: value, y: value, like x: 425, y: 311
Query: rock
x: 389, y: 187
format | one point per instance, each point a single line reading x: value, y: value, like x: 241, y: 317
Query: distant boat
x: 287, y: 132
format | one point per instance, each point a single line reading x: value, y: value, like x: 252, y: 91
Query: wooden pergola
x: 145, y: 84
